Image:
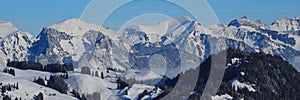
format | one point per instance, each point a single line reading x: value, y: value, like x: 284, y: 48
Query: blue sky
x: 33, y: 15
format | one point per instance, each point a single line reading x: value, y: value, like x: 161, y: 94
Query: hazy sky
x: 33, y: 15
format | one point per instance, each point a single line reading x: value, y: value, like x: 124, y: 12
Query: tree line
x: 24, y: 65
x: 9, y: 71
x: 55, y: 82
x: 8, y: 87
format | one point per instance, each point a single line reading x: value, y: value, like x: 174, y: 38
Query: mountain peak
x: 240, y: 21
x: 77, y: 27
x: 183, y: 18
x: 285, y: 19
x: 244, y: 18
x: 7, y: 28
x: 244, y: 21
x: 180, y: 20
x: 164, y: 26
x: 68, y: 26
x: 67, y: 22
x: 286, y: 24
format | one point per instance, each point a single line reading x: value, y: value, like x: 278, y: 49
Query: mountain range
x: 84, y: 44
x: 125, y: 64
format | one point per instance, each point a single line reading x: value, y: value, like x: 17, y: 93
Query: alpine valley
x: 74, y: 59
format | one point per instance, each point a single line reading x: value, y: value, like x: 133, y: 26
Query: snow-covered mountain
x: 195, y: 41
x: 71, y: 41
x: 286, y: 24
x: 14, y: 44
x: 84, y: 44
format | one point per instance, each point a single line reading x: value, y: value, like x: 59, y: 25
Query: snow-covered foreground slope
x: 27, y: 88
x: 89, y: 85
x: 85, y: 84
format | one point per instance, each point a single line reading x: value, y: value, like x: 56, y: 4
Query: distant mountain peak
x: 70, y: 25
x: 286, y: 24
x: 7, y: 28
x: 183, y: 18
x: 71, y: 20
x: 239, y: 22
x: 244, y: 17
x: 163, y: 26
x: 77, y: 27
x: 244, y: 21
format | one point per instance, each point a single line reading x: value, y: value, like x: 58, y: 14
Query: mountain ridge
x: 67, y: 41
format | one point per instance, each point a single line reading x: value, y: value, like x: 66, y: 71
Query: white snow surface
x: 222, y: 97
x: 238, y: 85
x: 87, y: 84
x: 235, y: 60
x: 143, y: 75
x: 27, y: 88
x: 137, y: 89
x: 242, y: 73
